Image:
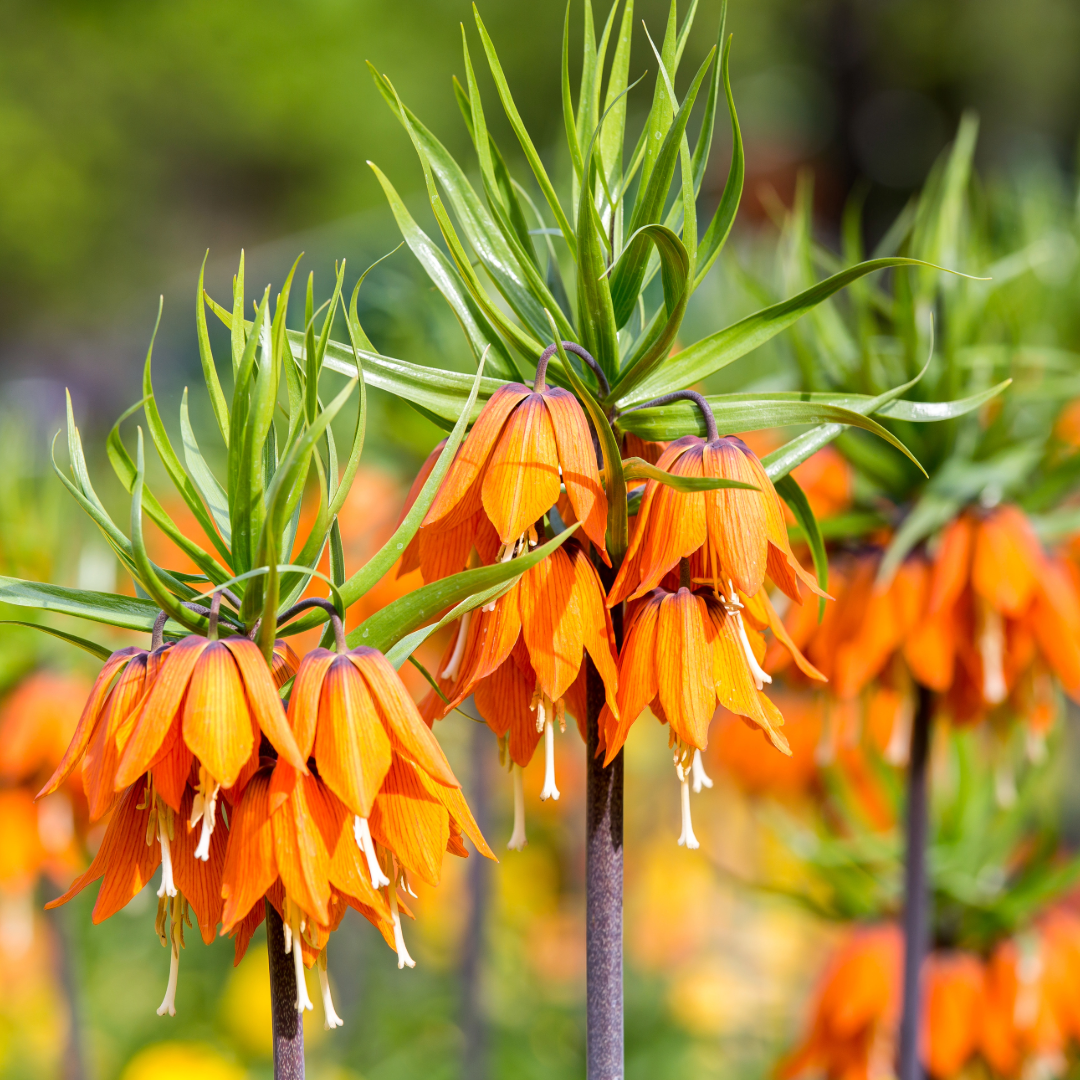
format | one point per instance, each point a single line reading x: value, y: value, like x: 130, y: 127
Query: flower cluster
x: 694, y: 577
x: 239, y: 801
x: 1014, y: 1010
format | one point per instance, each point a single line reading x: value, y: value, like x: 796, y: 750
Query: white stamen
x: 168, y: 886
x: 550, y: 791
x: 168, y: 1005
x: 992, y: 653
x: 287, y: 930
x: 330, y: 1016
x: 454, y: 664
x: 1036, y: 747
x: 734, y: 607
x: 899, y: 748
x: 204, y: 807
x: 403, y: 957
x: 303, y: 1002
x: 362, y: 835
x: 518, y: 840
x: 687, y: 839
x: 697, y: 769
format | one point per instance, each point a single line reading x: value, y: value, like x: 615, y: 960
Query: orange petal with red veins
x: 598, y: 634
x: 217, y: 725
x: 952, y: 564
x: 89, y: 718
x: 303, y: 712
x: 407, y: 729
x: 503, y: 700
x: 249, y: 868
x: 351, y: 746
x: 1007, y: 560
x: 458, y: 497
x: 125, y: 859
x: 444, y: 549
x: 676, y: 524
x: 577, y: 456
x: 300, y: 852
x: 461, y: 817
x: 551, y: 622
x: 171, y: 769
x: 159, y: 709
x: 684, y: 673
x: 244, y: 931
x: 285, y: 663
x: 637, y: 671
x: 413, y: 824
x: 1055, y: 621
x: 199, y: 882
x: 776, y: 624
x: 264, y: 700
x: 735, y: 687
x: 348, y: 865
x: 521, y: 481
x: 737, y: 519
x: 102, y: 754
x: 421, y: 479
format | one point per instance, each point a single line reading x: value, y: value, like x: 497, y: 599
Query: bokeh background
x: 134, y: 137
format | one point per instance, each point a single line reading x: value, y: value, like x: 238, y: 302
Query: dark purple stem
x: 684, y: 395
x: 916, y: 895
x: 328, y: 607
x: 540, y: 382
x: 603, y: 889
x: 288, y: 1023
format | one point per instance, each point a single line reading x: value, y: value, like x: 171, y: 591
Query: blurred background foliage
x: 135, y: 136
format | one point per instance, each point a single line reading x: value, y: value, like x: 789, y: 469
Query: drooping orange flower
x: 292, y: 843
x: 986, y: 619
x: 856, y: 1011
x: 954, y: 989
x: 374, y: 752
x: 210, y: 703
x: 37, y: 721
x: 523, y: 656
x: 523, y: 447
x: 439, y: 550
x: 741, y: 534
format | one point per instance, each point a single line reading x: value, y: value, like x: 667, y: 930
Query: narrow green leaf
x: 613, y: 133
x: 239, y: 343
x: 573, y: 140
x: 523, y: 137
x: 665, y: 422
x: 629, y: 274
x: 181, y: 481
x: 596, y: 315
x: 660, y: 115
x: 725, y: 346
x: 788, y: 489
x: 387, y: 627
x: 635, y: 468
x: 109, y: 609
x: 719, y: 228
x: 202, y: 476
x: 206, y: 356
x: 675, y: 274
x: 147, y: 574
x: 72, y: 639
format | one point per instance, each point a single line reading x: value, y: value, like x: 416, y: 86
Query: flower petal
x: 160, y: 707
x: 264, y: 700
x: 577, y: 456
x: 352, y: 747
x: 637, y: 672
x: 217, y: 724
x: 303, y: 714
x: 300, y: 852
x: 521, y: 481
x: 89, y: 718
x: 412, y: 823
x: 408, y: 732
x: 737, y: 519
x: 551, y: 622
x: 503, y: 700
x: 199, y: 882
x: 458, y: 498
x: 684, y: 674
x: 250, y: 868
x: 1007, y: 561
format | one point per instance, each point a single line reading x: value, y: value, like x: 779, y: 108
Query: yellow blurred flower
x: 179, y: 1061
